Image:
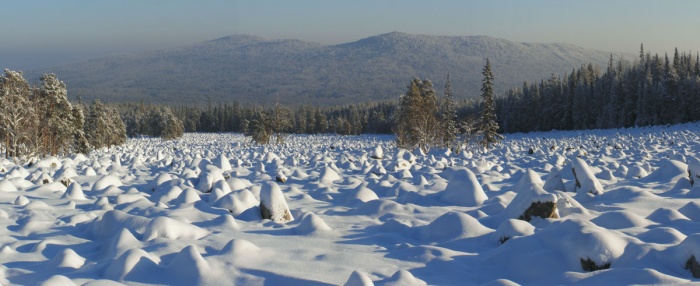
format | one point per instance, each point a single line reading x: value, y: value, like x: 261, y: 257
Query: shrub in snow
x: 273, y: 205
x: 586, y: 182
x: 463, y: 189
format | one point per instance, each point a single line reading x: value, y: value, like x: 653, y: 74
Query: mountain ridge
x: 256, y: 70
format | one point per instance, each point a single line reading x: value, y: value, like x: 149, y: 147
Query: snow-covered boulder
x: 378, y: 153
x: 693, y: 169
x: 531, y: 200
x: 586, y: 182
x: 273, y: 205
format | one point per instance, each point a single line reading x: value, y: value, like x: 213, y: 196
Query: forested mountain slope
x: 251, y: 69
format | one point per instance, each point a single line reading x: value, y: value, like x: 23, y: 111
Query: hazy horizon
x: 46, y: 33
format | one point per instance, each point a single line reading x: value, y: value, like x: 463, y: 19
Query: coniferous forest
x: 652, y: 90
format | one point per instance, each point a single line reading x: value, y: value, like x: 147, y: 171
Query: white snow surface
x: 186, y: 212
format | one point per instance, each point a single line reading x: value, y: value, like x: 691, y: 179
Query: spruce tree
x: 489, y: 126
x: 448, y: 115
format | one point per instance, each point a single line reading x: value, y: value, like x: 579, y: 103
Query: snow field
x: 357, y: 211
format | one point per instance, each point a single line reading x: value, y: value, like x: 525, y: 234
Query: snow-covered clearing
x: 188, y: 212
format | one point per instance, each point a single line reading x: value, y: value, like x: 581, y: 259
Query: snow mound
x: 273, y: 205
x: 453, y: 225
x: 189, y: 267
x: 619, y: 220
x: 187, y: 196
x: 21, y: 201
x: 237, y: 184
x: 554, y: 181
x: 58, y: 280
x: 382, y: 207
x: 365, y: 195
x: 669, y: 171
x: 135, y: 263
x: 240, y: 249
x: 358, y: 278
x: 662, y: 235
x: 237, y: 202
x: 66, y: 259
x: 112, y: 222
x: 105, y: 182
x: 74, y: 192
x: 121, y: 243
x: 328, y: 175
x: 169, y: 228
x: 311, y: 224
x: 512, y: 228
x: 579, y: 240
x: 6, y: 186
x: 222, y: 163
x: 691, y: 210
x: 666, y: 216
x: 403, y: 278
x: 463, y: 189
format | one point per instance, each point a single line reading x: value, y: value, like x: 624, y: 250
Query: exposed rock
x: 540, y: 209
x: 589, y: 265
x: 693, y: 266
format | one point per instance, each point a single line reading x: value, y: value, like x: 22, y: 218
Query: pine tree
x: 489, y: 126
x: 416, y: 121
x: 448, y: 115
x: 17, y: 116
x: 56, y: 115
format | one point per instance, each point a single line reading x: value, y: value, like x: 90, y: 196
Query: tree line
x: 40, y: 121
x: 653, y: 90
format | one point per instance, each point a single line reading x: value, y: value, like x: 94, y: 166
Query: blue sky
x: 46, y: 32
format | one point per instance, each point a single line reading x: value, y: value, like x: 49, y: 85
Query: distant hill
x: 252, y: 69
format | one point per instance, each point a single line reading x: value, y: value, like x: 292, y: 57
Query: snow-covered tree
x: 448, y: 115
x: 18, y: 119
x: 416, y: 122
x: 56, y: 116
x: 104, y: 127
x: 489, y: 126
